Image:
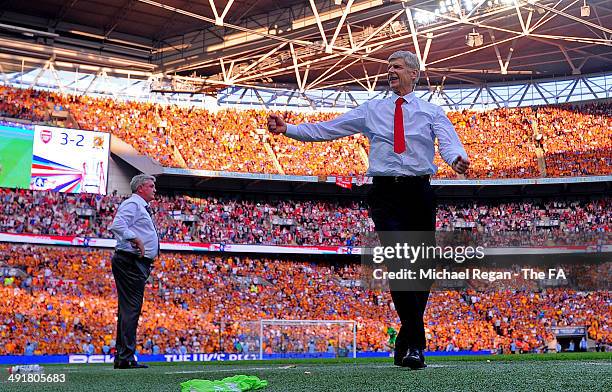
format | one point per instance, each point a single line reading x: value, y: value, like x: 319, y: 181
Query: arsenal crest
x: 45, y: 135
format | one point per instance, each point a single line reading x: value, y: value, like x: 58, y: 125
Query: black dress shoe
x: 130, y: 365
x: 414, y: 359
x: 398, y: 358
x: 136, y: 365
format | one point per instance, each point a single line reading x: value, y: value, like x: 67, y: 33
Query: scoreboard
x: 69, y: 160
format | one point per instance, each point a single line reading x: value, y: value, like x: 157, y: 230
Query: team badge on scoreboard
x: 98, y: 142
x: 46, y: 135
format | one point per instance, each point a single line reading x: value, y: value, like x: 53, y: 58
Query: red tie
x: 399, y: 144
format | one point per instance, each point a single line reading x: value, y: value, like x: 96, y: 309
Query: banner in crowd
x: 361, y: 179
x: 285, y: 249
x: 344, y: 182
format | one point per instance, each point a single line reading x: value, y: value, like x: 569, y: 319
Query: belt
x: 134, y: 256
x: 388, y: 180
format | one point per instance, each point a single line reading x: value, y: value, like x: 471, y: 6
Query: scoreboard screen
x: 69, y: 160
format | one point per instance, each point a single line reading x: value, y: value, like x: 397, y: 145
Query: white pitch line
x: 390, y: 366
x: 218, y: 370
x: 299, y: 367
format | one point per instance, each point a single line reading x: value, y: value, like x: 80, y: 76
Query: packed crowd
x: 64, y: 301
x: 498, y: 143
x: 279, y: 221
x: 501, y: 143
x: 577, y: 141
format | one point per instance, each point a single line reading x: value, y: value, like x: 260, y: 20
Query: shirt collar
x: 139, y: 199
x: 407, y: 98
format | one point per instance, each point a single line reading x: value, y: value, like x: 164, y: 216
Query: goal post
x: 304, y: 336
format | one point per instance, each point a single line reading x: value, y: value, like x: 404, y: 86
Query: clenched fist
x: 461, y: 165
x: 276, y: 124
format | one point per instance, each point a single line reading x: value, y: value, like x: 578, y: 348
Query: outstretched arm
x: 347, y: 124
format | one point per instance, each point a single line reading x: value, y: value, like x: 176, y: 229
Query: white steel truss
x: 322, y: 45
x: 329, y: 46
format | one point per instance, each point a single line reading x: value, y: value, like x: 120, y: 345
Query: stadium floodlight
x: 283, y: 336
x: 585, y: 10
x: 419, y: 17
x: 424, y: 17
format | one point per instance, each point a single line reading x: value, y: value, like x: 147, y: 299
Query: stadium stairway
x: 176, y: 155
x: 541, y: 161
x: 363, y: 155
x: 539, y: 151
x: 275, y: 161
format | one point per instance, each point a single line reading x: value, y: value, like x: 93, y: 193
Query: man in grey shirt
x: 137, y: 247
x: 402, y: 130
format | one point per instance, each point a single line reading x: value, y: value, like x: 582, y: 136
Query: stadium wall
x: 119, y: 176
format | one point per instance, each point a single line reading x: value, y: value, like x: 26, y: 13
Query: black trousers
x: 406, y: 204
x: 131, y: 273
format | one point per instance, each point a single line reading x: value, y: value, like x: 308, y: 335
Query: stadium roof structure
x: 207, y: 46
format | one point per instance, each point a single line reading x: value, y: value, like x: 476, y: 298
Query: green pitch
x: 552, y: 372
x: 15, y: 157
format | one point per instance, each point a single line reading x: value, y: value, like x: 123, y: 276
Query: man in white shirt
x: 402, y: 130
x: 137, y: 247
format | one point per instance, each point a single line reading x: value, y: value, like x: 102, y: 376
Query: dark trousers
x: 130, y: 273
x: 406, y: 204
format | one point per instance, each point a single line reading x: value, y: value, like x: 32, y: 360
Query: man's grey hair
x: 138, y: 180
x: 411, y: 59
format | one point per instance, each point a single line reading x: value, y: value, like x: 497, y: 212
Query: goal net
x: 307, y: 338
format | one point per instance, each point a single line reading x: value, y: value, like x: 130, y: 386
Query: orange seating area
x: 66, y: 298
x: 498, y: 143
x: 501, y: 143
x: 577, y: 140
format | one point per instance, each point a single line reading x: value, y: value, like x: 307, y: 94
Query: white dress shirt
x: 133, y: 221
x: 423, y: 123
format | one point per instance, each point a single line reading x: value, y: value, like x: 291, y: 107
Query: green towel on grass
x: 239, y: 383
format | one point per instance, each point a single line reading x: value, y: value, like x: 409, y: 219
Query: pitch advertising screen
x: 15, y: 156
x: 69, y: 160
